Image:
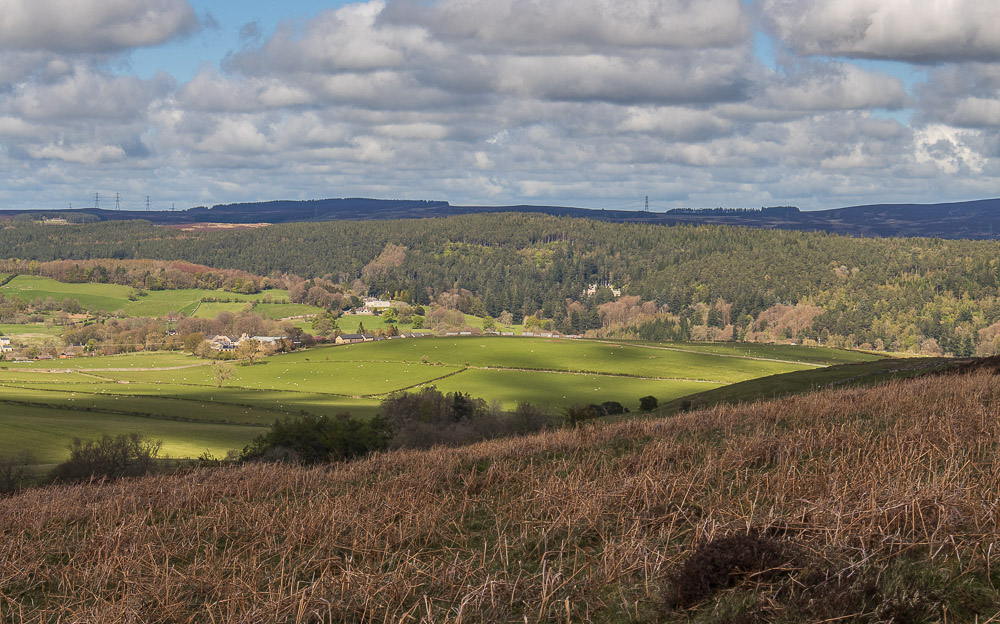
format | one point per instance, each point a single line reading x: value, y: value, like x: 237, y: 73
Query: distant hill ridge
x: 979, y: 219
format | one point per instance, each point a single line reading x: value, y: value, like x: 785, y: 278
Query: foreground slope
x: 866, y: 504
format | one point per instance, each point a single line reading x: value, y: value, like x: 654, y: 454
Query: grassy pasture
x: 557, y: 390
x: 112, y: 297
x: 142, y: 401
x: 285, y: 310
x: 32, y: 334
x: 349, y: 324
x: 826, y: 356
x: 343, y: 378
x: 107, y: 297
x: 129, y: 361
x: 211, y: 309
x: 30, y: 329
x: 567, y: 355
x: 46, y: 432
x: 162, y: 387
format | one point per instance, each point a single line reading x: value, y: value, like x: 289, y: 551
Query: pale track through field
x: 60, y: 371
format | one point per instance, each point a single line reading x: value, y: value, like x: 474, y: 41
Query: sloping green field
x: 112, y: 297
x: 156, y: 392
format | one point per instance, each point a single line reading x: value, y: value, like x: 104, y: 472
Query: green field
x: 33, y: 335
x: 278, y: 311
x: 154, y: 303
x: 157, y: 392
x: 108, y: 297
x: 46, y: 432
x: 350, y: 324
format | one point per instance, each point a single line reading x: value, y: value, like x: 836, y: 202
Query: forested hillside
x: 678, y: 282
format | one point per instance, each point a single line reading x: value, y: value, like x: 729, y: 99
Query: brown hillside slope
x: 879, y: 504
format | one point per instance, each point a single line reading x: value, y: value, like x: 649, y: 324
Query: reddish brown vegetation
x: 591, y: 524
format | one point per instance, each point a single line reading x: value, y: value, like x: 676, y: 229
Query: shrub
x: 648, y: 403
x: 312, y: 439
x: 427, y: 418
x: 610, y: 408
x: 724, y: 562
x: 14, y: 471
x: 111, y: 457
x: 579, y: 413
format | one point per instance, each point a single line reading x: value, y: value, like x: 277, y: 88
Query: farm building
x: 5, y: 345
x: 350, y: 338
x: 222, y: 343
x: 372, y: 304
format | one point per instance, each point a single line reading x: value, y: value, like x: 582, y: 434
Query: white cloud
x: 964, y: 95
x: 835, y: 86
x: 675, y: 122
x: 341, y: 40
x: 544, y: 25
x: 93, y: 26
x: 81, y: 154
x: 950, y: 149
x: 700, y: 77
x: 909, y: 30
x: 86, y: 93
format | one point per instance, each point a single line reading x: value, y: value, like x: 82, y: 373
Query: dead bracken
x: 868, y: 505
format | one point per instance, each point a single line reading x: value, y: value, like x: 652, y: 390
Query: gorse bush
x: 110, y: 457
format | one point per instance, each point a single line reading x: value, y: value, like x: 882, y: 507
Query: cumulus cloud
x: 368, y: 54
x: 962, y: 95
x: 540, y: 25
x: 920, y: 31
x: 93, y: 26
x: 85, y: 93
x: 342, y: 40
x: 708, y: 76
x: 950, y: 149
x: 834, y: 86
x: 81, y: 154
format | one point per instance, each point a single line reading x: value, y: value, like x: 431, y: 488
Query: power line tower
x: 118, y: 201
x: 647, y: 203
x: 97, y: 200
x: 147, y: 203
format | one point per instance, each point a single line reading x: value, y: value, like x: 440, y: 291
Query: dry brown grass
x: 573, y: 525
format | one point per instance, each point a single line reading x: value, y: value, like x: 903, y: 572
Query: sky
x: 591, y: 103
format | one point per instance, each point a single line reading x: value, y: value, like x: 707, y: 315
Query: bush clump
x: 429, y: 417
x: 726, y: 561
x: 110, y: 457
x: 312, y: 439
x: 14, y: 471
